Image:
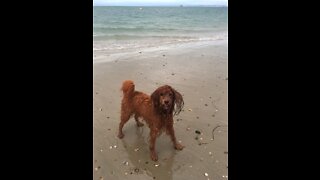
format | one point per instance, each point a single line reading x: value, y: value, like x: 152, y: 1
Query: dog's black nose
x: 166, y: 102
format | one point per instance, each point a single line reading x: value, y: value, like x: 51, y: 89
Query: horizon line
x: 162, y: 5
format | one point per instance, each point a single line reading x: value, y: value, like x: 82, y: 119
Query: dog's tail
x: 127, y: 88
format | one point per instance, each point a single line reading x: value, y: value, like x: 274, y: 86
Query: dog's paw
x: 178, y: 147
x: 154, y: 156
x: 120, y: 135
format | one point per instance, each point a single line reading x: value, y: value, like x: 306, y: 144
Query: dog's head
x: 167, y: 100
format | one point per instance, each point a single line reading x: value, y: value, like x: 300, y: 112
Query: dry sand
x: 199, y: 71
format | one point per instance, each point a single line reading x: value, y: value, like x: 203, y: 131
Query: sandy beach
x: 199, y: 71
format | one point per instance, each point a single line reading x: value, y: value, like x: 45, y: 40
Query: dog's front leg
x: 176, y: 145
x: 153, y: 137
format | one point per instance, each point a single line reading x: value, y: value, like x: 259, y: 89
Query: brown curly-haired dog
x: 157, y: 110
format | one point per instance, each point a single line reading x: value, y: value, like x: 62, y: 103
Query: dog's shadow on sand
x: 139, y: 155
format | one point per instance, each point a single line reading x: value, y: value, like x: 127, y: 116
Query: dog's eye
x: 161, y: 94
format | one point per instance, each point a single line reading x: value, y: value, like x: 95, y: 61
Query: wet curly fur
x: 157, y: 110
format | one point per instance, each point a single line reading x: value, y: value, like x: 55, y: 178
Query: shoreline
x: 101, y: 56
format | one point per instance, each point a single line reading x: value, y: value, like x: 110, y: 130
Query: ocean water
x: 124, y: 28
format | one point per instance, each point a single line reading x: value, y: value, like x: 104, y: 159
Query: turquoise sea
x: 118, y: 28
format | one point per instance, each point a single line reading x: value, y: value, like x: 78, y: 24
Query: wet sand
x: 199, y: 72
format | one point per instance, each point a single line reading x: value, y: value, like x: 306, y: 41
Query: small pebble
x: 210, y: 153
x: 188, y: 129
x: 125, y: 173
x: 197, y: 132
x: 206, y: 174
x: 156, y: 165
x: 136, y: 170
x: 115, y: 146
x: 110, y: 147
x: 100, y: 109
x: 101, y: 150
x: 136, y: 149
x: 189, y: 109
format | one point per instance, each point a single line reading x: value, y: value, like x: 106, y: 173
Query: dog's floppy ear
x: 155, y: 97
x: 178, y: 101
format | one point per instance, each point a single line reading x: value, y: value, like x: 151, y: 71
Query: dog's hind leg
x: 125, y: 116
x: 136, y: 117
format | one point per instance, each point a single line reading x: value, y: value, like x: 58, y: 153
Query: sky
x: 159, y: 2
